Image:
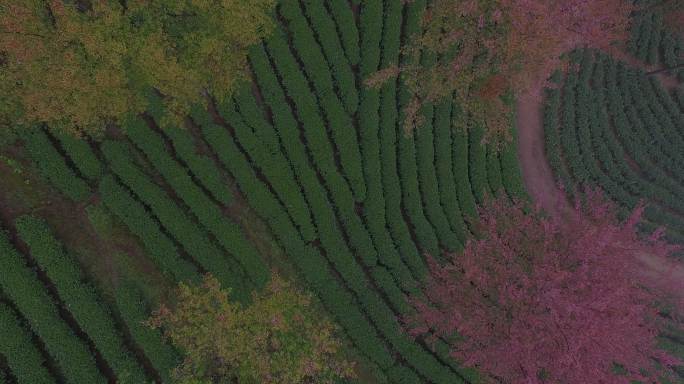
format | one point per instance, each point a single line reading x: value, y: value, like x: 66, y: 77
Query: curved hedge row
x: 346, y: 28
x: 429, y: 186
x: 382, y: 123
x: 406, y: 154
x: 612, y: 116
x: 193, y: 239
x: 511, y: 174
x: 313, y: 64
x: 652, y: 42
x: 610, y: 153
x: 655, y: 143
x: 185, y: 147
x: 460, y: 156
x: 477, y: 164
x: 82, y: 155
x: 52, y: 165
x: 134, y: 311
x: 444, y: 167
x: 493, y: 165
x: 326, y: 34
x: 21, y: 285
x: 80, y: 297
x: 552, y: 142
x: 227, y: 233
x: 373, y: 208
x: 18, y: 350
x: 273, y: 165
x: 157, y: 244
x: 320, y: 151
x: 656, y: 122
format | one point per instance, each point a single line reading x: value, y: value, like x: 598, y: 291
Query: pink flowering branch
x: 535, y: 300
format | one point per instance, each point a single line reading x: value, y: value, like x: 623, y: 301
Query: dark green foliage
x: 346, y: 27
x: 157, y: 244
x: 477, y: 163
x: 81, y: 154
x: 341, y: 70
x: 552, y: 146
x: 494, y: 170
x: 134, y: 311
x: 80, y: 297
x: 444, y: 168
x: 429, y: 185
x: 52, y: 165
x: 653, y: 42
x: 227, y: 233
x: 332, y: 116
x: 460, y: 163
x: 185, y: 148
x: 406, y: 155
x: 511, y: 174
x: 386, y: 143
x: 22, y: 356
x: 194, y: 240
x: 627, y: 137
x: 21, y: 285
x: 274, y: 167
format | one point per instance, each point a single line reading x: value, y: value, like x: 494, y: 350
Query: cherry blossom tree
x: 533, y: 299
x: 486, y: 47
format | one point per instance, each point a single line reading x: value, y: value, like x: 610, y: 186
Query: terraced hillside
x: 351, y: 203
x: 610, y: 125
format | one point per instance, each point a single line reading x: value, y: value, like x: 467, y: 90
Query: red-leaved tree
x: 536, y: 300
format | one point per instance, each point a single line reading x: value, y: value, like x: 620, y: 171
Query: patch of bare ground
x: 537, y: 174
x: 104, y: 257
x: 254, y: 228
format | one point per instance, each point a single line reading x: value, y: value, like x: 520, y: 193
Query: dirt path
x: 536, y: 171
x: 540, y: 183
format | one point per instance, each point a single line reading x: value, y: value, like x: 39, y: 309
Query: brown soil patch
x: 99, y: 256
x: 536, y: 171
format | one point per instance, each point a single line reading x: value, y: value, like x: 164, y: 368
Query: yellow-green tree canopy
x: 278, y: 338
x: 78, y: 65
